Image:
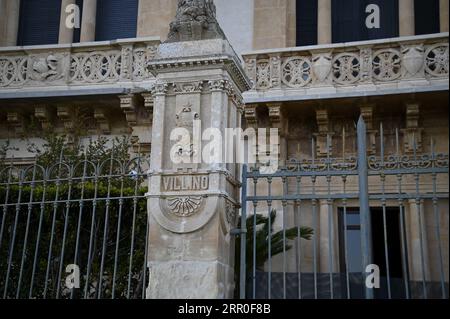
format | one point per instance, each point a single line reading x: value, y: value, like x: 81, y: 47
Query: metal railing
x: 406, y: 195
x: 74, y: 224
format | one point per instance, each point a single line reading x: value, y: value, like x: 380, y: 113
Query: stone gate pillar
x: 192, y: 206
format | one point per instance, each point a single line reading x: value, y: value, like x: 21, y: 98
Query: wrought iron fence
x: 390, y: 210
x: 74, y: 214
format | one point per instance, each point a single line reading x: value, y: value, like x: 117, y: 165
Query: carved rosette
x: 346, y: 68
x: 437, y: 60
x: 297, y: 72
x: 386, y: 65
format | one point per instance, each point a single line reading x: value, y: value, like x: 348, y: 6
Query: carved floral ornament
x: 360, y: 65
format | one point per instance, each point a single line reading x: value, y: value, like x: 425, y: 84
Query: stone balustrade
x: 81, y: 64
x: 388, y: 66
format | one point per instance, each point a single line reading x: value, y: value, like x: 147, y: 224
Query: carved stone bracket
x: 66, y: 115
x: 103, y: 121
x: 128, y: 104
x: 17, y: 121
x: 45, y: 116
x: 413, y: 133
x: 324, y: 135
x: 367, y: 114
x: 251, y: 116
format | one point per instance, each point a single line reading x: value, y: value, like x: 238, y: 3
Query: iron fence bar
x: 364, y: 200
x: 5, y: 207
x: 383, y: 204
x: 92, y: 233
x: 403, y: 241
x: 25, y: 241
x: 38, y: 237
x: 419, y: 213
x: 116, y: 253
x: 315, y: 221
x: 299, y: 238
x: 438, y: 225
x: 269, y: 239
x: 330, y: 220
x: 146, y: 248
x: 243, y: 273
x: 284, y: 204
x: 66, y: 224
x: 80, y: 216
x: 344, y: 204
x: 105, y: 229
x: 55, y: 208
x: 135, y: 200
x: 12, y: 243
x: 255, y: 181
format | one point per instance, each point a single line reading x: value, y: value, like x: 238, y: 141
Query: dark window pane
x: 39, y: 22
x: 77, y: 31
x: 353, y: 219
x: 354, y: 251
x: 426, y: 14
x: 116, y: 19
x: 349, y: 20
x: 306, y: 22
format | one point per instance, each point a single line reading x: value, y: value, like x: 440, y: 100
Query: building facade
x: 315, y: 68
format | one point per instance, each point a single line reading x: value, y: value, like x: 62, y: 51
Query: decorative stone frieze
x: 415, y: 61
x: 53, y: 65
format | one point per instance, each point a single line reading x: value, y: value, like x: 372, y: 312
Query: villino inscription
x: 185, y: 183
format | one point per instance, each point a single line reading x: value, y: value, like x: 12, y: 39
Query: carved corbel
x: 67, y: 116
x: 17, y: 121
x: 129, y: 105
x: 103, y: 120
x: 367, y: 114
x: 148, y: 107
x: 413, y: 133
x: 251, y: 116
x: 323, y: 145
x: 45, y: 116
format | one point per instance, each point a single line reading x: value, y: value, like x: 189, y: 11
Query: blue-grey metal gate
x: 409, y: 190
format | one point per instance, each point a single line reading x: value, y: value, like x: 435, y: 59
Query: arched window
x: 116, y: 19
x: 39, y: 22
x: 426, y: 14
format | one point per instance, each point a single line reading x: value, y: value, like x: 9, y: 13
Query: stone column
x: 88, y: 21
x: 443, y: 12
x: 326, y: 212
x: 192, y: 204
x: 406, y: 18
x: 9, y: 22
x: 417, y: 241
x: 65, y: 33
x: 324, y: 35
